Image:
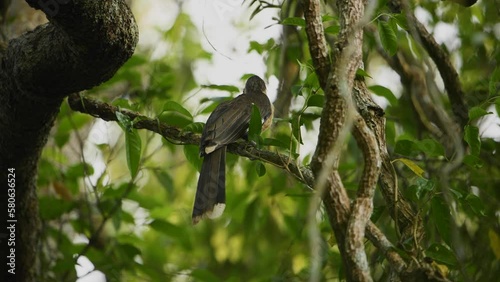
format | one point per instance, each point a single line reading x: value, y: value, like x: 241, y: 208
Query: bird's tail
x: 210, y: 199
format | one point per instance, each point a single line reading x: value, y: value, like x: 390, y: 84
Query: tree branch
x: 108, y: 113
x: 289, y: 72
x: 317, y: 42
x: 83, y: 45
x: 446, y: 69
x: 408, y: 224
x: 337, y: 117
x: 362, y: 206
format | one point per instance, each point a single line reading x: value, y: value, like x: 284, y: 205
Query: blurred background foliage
x: 122, y: 198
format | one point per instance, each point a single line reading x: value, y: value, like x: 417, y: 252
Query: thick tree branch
x: 362, y: 206
x: 334, y: 125
x: 338, y: 114
x: 317, y: 42
x: 369, y: 133
x: 408, y: 223
x: 82, y: 46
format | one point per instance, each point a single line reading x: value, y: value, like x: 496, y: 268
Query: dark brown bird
x: 465, y: 3
x: 227, y: 123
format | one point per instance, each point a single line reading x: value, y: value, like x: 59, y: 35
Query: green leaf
x: 477, y: 112
x: 297, y: 90
x: 110, y: 192
x: 68, y: 124
x: 171, y: 106
x: 362, y: 73
x: 261, y: 47
x: 122, y: 103
x: 412, y: 166
x: 327, y: 18
x: 420, y: 190
x: 471, y: 136
x: 175, y: 114
x: 311, y: 81
x: 333, y: 29
x: 260, y: 168
x: 52, y: 208
x: 63, y: 265
x: 294, y: 21
x: 442, y: 254
x: 384, y: 92
x: 476, y: 204
x: 133, y: 148
x: 196, y: 127
x: 192, y: 154
x: 175, y: 119
x: 441, y: 217
x: 393, y: 24
x: 204, y: 275
x: 430, y: 147
x: 401, y: 21
x: 494, y: 85
x: 388, y: 37
x: 173, y: 231
x: 136, y: 60
x: 316, y: 101
x: 227, y: 88
x: 117, y: 219
x: 79, y: 170
x: 165, y: 227
x: 133, y: 143
x: 165, y: 180
x: 124, y: 121
x: 133, y: 151
x: 254, y: 45
x: 473, y: 161
x: 422, y: 187
x: 255, y: 126
x: 274, y: 142
x: 296, y: 128
x: 257, y: 10
x: 404, y: 147
x: 128, y: 251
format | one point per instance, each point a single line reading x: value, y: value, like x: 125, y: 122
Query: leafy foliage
x: 130, y: 192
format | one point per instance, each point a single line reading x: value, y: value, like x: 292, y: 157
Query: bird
x: 465, y: 3
x: 226, y: 124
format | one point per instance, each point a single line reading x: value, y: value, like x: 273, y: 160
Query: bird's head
x: 255, y: 84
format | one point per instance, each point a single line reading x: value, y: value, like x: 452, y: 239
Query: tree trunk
x: 83, y: 45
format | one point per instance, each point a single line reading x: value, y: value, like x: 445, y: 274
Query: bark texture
x: 83, y: 45
x: 349, y: 107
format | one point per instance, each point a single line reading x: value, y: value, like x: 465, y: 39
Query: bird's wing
x: 227, y: 123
